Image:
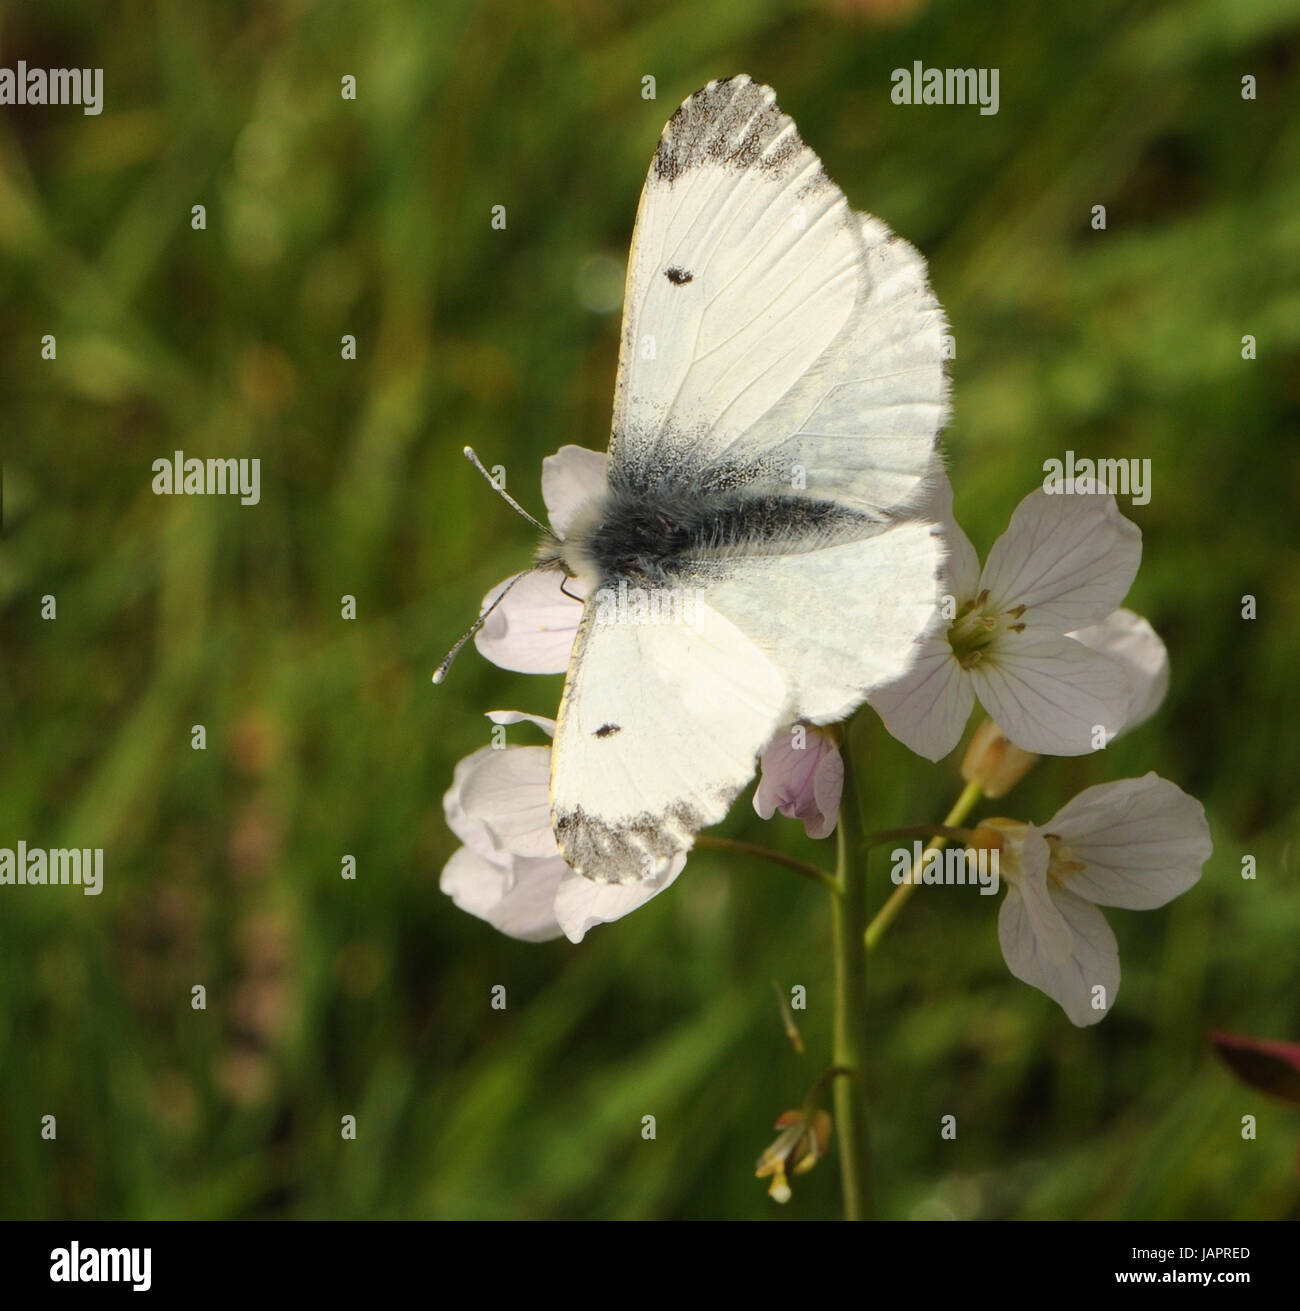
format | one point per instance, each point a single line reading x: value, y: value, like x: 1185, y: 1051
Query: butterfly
x: 772, y: 474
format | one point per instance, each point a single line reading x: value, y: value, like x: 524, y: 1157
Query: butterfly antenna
x: 501, y: 491
x: 441, y: 672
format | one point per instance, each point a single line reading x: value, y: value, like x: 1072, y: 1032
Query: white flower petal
x: 473, y: 882
x: 570, y: 478
x: 469, y: 828
x: 776, y: 766
x: 1050, y: 693
x: 961, y: 570
x: 1028, y: 876
x: 828, y: 789
x: 527, y: 911
x: 927, y: 709
x: 1069, y: 559
x: 1131, y: 640
x: 785, y: 771
x: 509, y: 794
x: 1093, y: 959
x: 523, y: 909
x: 522, y: 717
x: 582, y: 903
x: 1144, y: 841
x: 532, y: 630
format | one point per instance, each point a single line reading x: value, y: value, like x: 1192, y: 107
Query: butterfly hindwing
x: 658, y: 731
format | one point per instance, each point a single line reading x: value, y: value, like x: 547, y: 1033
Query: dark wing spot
x: 677, y: 276
x: 608, y: 730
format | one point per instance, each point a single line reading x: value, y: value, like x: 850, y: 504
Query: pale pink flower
x: 997, y: 764
x: 1063, y: 565
x: 1136, y: 844
x: 532, y: 630
x: 802, y: 776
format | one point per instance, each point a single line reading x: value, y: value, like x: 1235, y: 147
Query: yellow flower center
x: 978, y: 625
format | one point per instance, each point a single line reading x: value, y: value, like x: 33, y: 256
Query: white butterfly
x: 774, y: 444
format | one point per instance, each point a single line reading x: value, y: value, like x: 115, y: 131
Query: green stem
x: 917, y: 831
x: 765, y: 853
x: 898, y: 899
x: 848, y: 926
x: 813, y: 1100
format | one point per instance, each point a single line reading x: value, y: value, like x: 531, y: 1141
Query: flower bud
x: 994, y: 761
x: 801, y: 774
x: 802, y: 1142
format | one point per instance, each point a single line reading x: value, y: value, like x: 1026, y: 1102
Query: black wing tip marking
x: 629, y: 851
x: 732, y: 121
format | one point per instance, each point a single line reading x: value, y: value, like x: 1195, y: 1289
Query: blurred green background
x: 325, y: 737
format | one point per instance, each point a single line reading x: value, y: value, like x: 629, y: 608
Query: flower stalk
x: 848, y: 927
x: 709, y: 842
x: 963, y: 806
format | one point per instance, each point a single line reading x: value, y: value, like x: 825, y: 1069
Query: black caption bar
x: 171, y: 1259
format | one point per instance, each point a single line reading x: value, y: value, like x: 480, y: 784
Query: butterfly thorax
x: 663, y: 535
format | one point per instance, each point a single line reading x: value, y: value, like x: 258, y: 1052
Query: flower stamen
x: 977, y: 627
